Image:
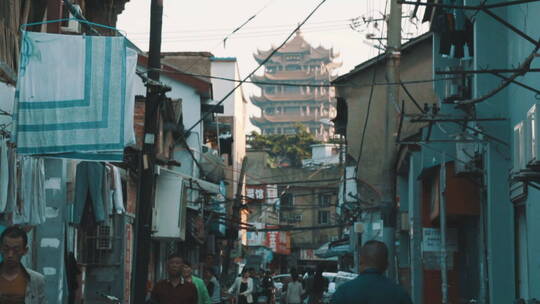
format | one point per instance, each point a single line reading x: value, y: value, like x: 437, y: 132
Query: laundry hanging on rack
x: 4, y: 174
x: 118, y: 194
x: 74, y: 96
x: 89, y: 184
x: 13, y: 179
x: 31, y: 203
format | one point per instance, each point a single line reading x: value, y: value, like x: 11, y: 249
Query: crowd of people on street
x: 21, y: 285
x: 251, y: 287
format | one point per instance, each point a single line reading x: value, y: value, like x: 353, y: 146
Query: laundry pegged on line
x: 98, y: 192
x: 74, y: 96
x: 22, y: 187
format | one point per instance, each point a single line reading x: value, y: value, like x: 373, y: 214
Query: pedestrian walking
x: 202, y: 293
x: 294, y: 290
x: 242, y: 288
x: 212, y: 284
x: 319, y: 286
x: 18, y: 285
x: 175, y: 289
x: 268, y: 287
x: 371, y: 286
x: 308, y: 282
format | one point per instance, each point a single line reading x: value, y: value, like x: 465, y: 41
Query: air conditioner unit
x: 169, y: 212
x: 532, y: 129
x: 518, y: 155
x: 73, y: 26
x: 104, y: 237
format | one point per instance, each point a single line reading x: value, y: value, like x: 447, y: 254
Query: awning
x: 428, y: 172
x: 195, y: 182
x: 333, y: 249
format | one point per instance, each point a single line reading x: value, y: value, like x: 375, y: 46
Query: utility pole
x: 393, y: 54
x: 442, y: 215
x: 235, y: 223
x: 145, y: 196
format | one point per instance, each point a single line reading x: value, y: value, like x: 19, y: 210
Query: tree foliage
x: 285, y: 149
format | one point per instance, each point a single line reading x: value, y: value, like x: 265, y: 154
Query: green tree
x: 285, y: 149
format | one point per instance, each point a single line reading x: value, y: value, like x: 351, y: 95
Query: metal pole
x: 392, y: 76
x: 444, y: 252
x: 415, y: 215
x: 145, y: 196
x: 482, y: 293
x: 236, y: 220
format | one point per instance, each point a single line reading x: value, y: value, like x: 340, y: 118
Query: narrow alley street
x: 269, y: 152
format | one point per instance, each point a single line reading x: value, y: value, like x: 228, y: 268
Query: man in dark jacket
x: 371, y: 286
x: 174, y: 290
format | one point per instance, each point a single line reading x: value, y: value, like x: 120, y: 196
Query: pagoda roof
x: 264, y: 98
x: 265, y: 119
x: 293, y: 75
x: 298, y: 45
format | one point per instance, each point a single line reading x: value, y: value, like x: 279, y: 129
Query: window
x: 293, y: 67
x: 270, y: 90
x: 287, y: 201
x: 325, y: 200
x: 292, y: 57
x: 292, y: 89
x: 269, y: 111
x: 289, y: 131
x: 291, y: 110
x: 324, y: 217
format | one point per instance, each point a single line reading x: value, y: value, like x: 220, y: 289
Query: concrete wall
x: 225, y: 69
x: 415, y: 65
x: 50, y: 241
x: 514, y: 102
x: 235, y: 107
x: 191, y: 113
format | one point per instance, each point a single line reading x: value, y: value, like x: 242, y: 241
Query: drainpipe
x: 442, y: 214
x: 482, y: 293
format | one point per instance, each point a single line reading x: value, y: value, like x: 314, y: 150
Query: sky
x: 201, y: 25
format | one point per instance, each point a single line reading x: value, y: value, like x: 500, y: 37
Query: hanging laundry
x: 4, y: 174
x: 75, y: 96
x: 107, y: 192
x: 456, y: 34
x: 118, y: 195
x: 13, y: 181
x: 89, y: 180
x: 31, y: 202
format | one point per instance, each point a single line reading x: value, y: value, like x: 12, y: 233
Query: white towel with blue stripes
x: 75, y: 96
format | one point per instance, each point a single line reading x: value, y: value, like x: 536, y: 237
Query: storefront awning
x: 333, y: 249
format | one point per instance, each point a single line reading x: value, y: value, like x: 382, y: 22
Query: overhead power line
x: 321, y: 85
x: 259, y: 66
x: 343, y: 27
x: 285, y: 26
x: 245, y: 23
